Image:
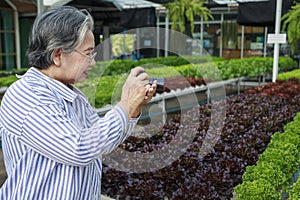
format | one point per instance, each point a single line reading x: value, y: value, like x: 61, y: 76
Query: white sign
x: 256, y: 45
x: 277, y: 38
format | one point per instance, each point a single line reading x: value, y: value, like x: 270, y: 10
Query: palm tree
x: 182, y: 13
x: 292, y: 24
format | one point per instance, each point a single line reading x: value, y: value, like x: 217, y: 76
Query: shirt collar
x: 56, y: 86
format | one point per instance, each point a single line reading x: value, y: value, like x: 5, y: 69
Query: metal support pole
x: 157, y: 35
x: 167, y: 35
x: 208, y: 94
x: 201, y: 36
x: 137, y: 41
x: 221, y: 35
x: 162, y: 105
x: 242, y: 42
x: 265, y: 41
x: 17, y: 33
x: 239, y: 86
x: 276, y: 45
x: 124, y: 43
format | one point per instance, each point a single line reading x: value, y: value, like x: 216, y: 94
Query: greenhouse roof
x: 119, y: 4
x: 118, y: 14
x: 236, y: 1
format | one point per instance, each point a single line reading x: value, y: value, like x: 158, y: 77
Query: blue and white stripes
x: 53, y: 140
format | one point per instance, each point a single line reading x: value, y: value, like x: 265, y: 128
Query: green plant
x: 182, y: 13
x: 286, y: 63
x: 116, y: 67
x: 249, y: 67
x: 101, y: 81
x: 256, y: 190
x: 12, y: 72
x: 284, y: 159
x: 162, y: 72
x: 104, y: 90
x: 8, y: 80
x: 188, y: 70
x: 291, y: 22
x: 294, y: 193
x: 266, y: 171
x: 275, y: 165
x: 290, y: 137
x: 292, y: 132
x: 291, y: 74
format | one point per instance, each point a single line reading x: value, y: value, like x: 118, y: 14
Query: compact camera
x: 160, y: 83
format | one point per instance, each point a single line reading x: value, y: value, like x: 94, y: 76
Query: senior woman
x: 52, y: 138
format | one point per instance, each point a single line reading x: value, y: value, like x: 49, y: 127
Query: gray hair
x: 59, y: 28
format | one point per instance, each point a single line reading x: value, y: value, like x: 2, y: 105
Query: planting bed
x: 180, y: 82
x: 251, y: 119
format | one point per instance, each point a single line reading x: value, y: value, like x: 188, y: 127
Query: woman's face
x: 77, y: 64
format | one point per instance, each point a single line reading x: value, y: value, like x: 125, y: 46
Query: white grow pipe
x: 17, y: 34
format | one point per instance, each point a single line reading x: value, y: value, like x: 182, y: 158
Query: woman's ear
x: 56, y: 57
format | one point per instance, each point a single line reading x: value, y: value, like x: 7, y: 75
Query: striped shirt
x: 53, y: 140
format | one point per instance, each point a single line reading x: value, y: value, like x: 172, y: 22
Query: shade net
x: 260, y: 13
x: 138, y: 18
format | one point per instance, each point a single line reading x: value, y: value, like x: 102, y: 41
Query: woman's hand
x: 136, y: 92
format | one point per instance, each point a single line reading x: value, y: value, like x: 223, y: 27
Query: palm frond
x: 184, y: 11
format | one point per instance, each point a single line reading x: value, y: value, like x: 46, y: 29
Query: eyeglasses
x: 90, y: 57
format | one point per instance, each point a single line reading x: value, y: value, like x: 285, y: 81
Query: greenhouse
x: 224, y: 122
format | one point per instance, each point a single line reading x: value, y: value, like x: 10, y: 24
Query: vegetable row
x: 105, y: 77
x: 251, y: 120
x: 272, y: 175
x: 103, y: 89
